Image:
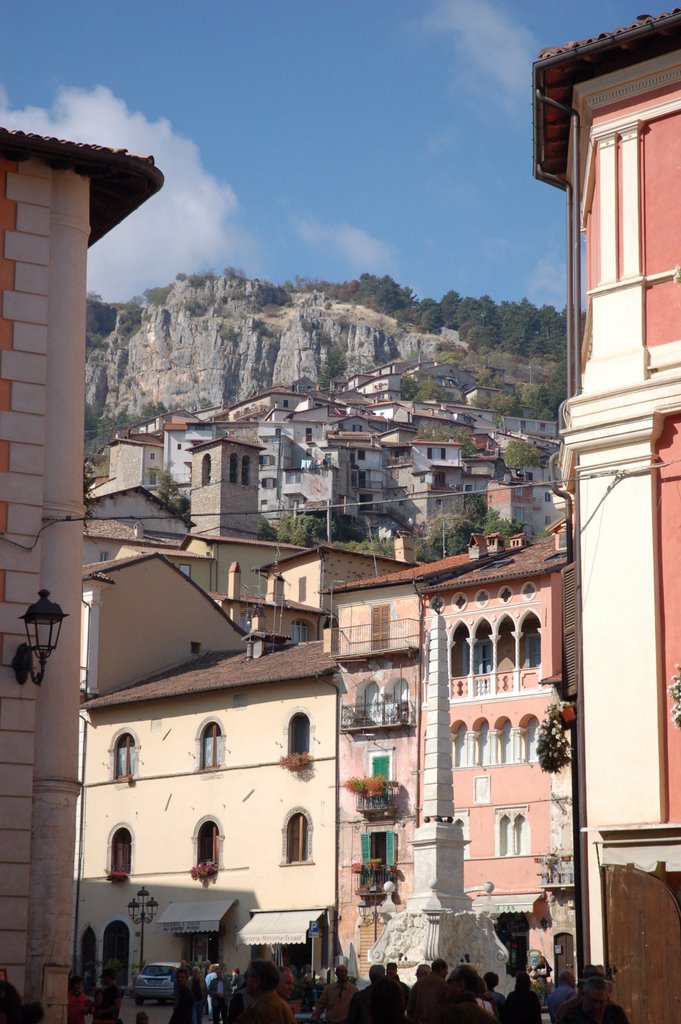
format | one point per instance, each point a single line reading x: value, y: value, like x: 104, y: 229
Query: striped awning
x: 278, y: 927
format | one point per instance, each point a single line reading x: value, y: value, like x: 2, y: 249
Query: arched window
x: 460, y: 747
x: 483, y: 743
x: 297, y: 839
x: 116, y: 947
x: 233, y: 468
x: 207, y: 845
x: 211, y: 746
x: 124, y: 757
x: 504, y: 836
x: 519, y: 835
x: 245, y: 470
x: 121, y: 851
x: 505, y: 744
x: 299, y: 735
x: 372, y: 702
x: 205, y: 470
x: 531, y: 739
x: 299, y: 632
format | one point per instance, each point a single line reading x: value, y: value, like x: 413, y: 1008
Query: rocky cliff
x: 206, y: 340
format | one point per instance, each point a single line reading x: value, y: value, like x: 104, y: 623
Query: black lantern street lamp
x: 43, y: 624
x: 369, y: 913
x: 142, y: 910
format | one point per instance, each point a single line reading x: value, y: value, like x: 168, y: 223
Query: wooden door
x: 563, y: 954
x: 643, y: 943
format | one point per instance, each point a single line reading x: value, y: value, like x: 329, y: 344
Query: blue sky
x: 314, y: 137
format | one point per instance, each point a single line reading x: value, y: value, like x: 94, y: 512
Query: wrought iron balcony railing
x: 358, y: 641
x: 372, y: 879
x: 382, y: 803
x: 384, y: 714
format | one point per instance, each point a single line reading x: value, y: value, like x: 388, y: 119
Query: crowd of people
x: 264, y: 995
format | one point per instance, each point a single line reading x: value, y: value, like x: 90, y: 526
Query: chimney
x: 275, y: 588
x: 495, y: 543
x: 518, y: 541
x: 477, y: 547
x: 234, y: 582
x: 138, y: 530
x: 404, y: 548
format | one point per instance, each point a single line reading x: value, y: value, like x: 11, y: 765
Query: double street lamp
x: 142, y: 910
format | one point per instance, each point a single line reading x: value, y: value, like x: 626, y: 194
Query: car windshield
x: 157, y: 971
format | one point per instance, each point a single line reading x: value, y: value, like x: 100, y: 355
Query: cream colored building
x: 183, y: 769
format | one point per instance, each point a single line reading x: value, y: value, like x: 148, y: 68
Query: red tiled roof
x: 218, y: 538
x: 294, y: 606
x: 119, y: 181
x: 534, y: 560
x: 335, y: 549
x: 222, y: 670
x: 413, y: 573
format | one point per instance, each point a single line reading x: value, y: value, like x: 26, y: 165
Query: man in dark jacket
x: 184, y: 1005
x: 594, y: 1005
x: 463, y: 1007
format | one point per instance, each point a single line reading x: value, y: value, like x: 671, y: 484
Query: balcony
x: 379, y: 805
x: 384, y: 714
x: 556, y: 872
x: 372, y: 879
x: 364, y: 640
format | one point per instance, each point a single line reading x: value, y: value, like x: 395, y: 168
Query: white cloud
x: 358, y: 248
x: 493, y: 52
x: 546, y: 281
x: 188, y: 226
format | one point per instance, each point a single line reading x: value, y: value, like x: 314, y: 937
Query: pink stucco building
x: 56, y: 199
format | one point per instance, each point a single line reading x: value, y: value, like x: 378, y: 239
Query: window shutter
x: 365, y: 840
x: 380, y: 622
x: 570, y: 631
x: 381, y: 766
x: 390, y: 848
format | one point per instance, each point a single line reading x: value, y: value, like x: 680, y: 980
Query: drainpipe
x: 574, y: 387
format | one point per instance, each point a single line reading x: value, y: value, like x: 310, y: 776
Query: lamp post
x: 369, y: 913
x: 142, y: 910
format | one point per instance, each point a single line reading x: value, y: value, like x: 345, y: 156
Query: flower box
x: 204, y: 872
x: 372, y: 785
x: 117, y: 876
x: 296, y: 762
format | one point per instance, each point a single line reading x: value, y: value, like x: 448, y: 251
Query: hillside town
x: 221, y: 747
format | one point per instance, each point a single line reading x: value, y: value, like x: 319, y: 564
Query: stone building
x: 224, y: 486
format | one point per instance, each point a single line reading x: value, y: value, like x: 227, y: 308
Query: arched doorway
x: 88, y: 960
x: 512, y: 930
x: 116, y: 950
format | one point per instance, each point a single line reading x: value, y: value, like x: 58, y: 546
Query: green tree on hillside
x: 521, y: 454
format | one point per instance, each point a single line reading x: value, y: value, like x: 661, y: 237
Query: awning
x: 199, y: 916
x: 272, y: 927
x: 508, y: 903
x: 644, y: 846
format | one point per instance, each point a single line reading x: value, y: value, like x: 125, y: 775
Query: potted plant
x: 205, y: 872
x: 296, y: 762
x: 116, y: 875
x: 553, y: 744
x: 675, y: 697
x: 356, y: 867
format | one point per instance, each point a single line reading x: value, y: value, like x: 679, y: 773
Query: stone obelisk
x: 438, y: 843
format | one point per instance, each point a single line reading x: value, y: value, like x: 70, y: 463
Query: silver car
x: 155, y: 981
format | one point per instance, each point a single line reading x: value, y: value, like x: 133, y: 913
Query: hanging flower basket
x: 553, y: 744
x: 117, y: 876
x: 356, y: 868
x: 204, y: 872
x: 296, y: 762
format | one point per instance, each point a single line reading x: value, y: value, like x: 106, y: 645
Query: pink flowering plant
x: 203, y: 872
x: 296, y: 762
x: 553, y: 743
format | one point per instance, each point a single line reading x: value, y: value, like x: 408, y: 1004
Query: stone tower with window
x: 224, y: 487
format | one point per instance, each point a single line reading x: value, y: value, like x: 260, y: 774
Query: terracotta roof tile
x: 414, y: 572
x: 222, y: 670
x: 251, y: 541
x: 533, y: 560
x: 112, y: 529
x: 643, y: 19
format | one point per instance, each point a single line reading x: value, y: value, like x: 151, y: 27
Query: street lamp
x: 369, y: 913
x: 142, y: 910
x: 43, y: 624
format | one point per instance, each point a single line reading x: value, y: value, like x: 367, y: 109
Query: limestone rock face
x: 208, y: 340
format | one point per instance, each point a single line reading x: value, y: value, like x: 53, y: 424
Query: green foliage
x: 167, y: 490
x: 199, y: 280
x: 129, y: 318
x: 380, y: 546
x: 334, y: 365
x: 521, y: 454
x: 419, y: 387
x: 157, y: 296
x: 304, y: 530
x: 196, y: 307
x: 457, y: 527
x: 265, y: 530
x: 436, y: 432
x: 150, y: 410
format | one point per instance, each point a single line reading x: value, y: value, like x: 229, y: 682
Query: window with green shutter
x: 381, y: 766
x: 365, y: 840
x: 390, y: 848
